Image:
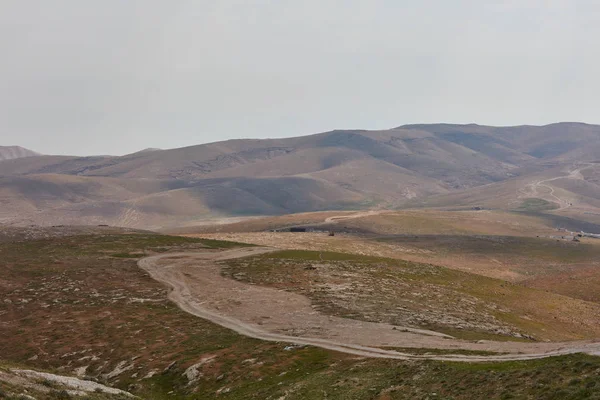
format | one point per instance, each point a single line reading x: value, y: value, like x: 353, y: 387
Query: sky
x: 116, y: 76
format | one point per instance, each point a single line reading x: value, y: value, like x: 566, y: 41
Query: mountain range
x: 433, y: 165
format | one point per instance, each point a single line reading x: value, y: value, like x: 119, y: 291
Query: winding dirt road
x: 563, y: 203
x: 198, y: 288
x: 360, y: 214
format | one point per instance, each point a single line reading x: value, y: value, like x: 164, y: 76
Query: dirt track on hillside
x: 361, y: 214
x: 563, y: 203
x: 198, y: 288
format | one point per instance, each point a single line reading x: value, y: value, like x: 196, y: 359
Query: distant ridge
x: 148, y: 150
x: 12, y: 152
x: 553, y: 167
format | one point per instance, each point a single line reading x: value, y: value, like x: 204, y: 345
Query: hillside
x: 13, y: 152
x: 81, y: 320
x: 436, y: 165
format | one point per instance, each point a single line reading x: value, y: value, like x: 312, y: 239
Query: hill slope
x: 13, y: 152
x: 341, y: 169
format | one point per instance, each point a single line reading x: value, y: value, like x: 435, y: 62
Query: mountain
x: 12, y: 152
x: 146, y: 150
x: 437, y: 165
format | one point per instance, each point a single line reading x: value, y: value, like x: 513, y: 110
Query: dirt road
x: 198, y: 288
x: 361, y: 214
x: 563, y: 203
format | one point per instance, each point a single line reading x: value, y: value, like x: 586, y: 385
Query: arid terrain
x: 349, y: 292
x: 547, y: 169
x: 476, y: 244
x: 395, y: 305
x: 421, y: 262
x: 299, y: 200
x: 13, y: 152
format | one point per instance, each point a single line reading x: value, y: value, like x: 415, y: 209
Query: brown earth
x: 264, y: 313
x: 438, y: 165
x: 512, y: 259
x: 79, y: 305
x: 387, y: 222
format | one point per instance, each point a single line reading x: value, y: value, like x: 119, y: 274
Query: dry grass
x: 421, y: 295
x: 414, y: 222
x: 72, y: 305
x: 515, y: 259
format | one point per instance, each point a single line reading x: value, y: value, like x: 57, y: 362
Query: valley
x: 284, y: 200
x: 456, y: 261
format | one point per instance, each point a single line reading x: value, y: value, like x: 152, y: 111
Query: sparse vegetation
x: 535, y: 204
x: 419, y: 350
x: 72, y: 305
x: 554, y: 265
x: 419, y: 295
x: 128, y: 255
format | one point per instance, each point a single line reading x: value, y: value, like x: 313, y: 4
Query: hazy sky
x: 115, y: 76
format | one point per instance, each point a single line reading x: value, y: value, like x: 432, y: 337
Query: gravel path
x: 198, y: 288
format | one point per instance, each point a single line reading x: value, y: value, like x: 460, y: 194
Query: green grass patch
x: 536, y: 204
x: 127, y: 255
x: 304, y: 255
x: 222, y: 244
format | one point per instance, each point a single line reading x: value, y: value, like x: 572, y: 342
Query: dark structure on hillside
x: 296, y: 229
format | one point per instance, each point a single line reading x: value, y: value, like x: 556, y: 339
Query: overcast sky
x: 115, y: 76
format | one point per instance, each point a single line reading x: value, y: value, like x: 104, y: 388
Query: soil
x: 269, y: 314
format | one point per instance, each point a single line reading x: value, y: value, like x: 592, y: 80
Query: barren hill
x: 12, y: 152
x: 343, y: 169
